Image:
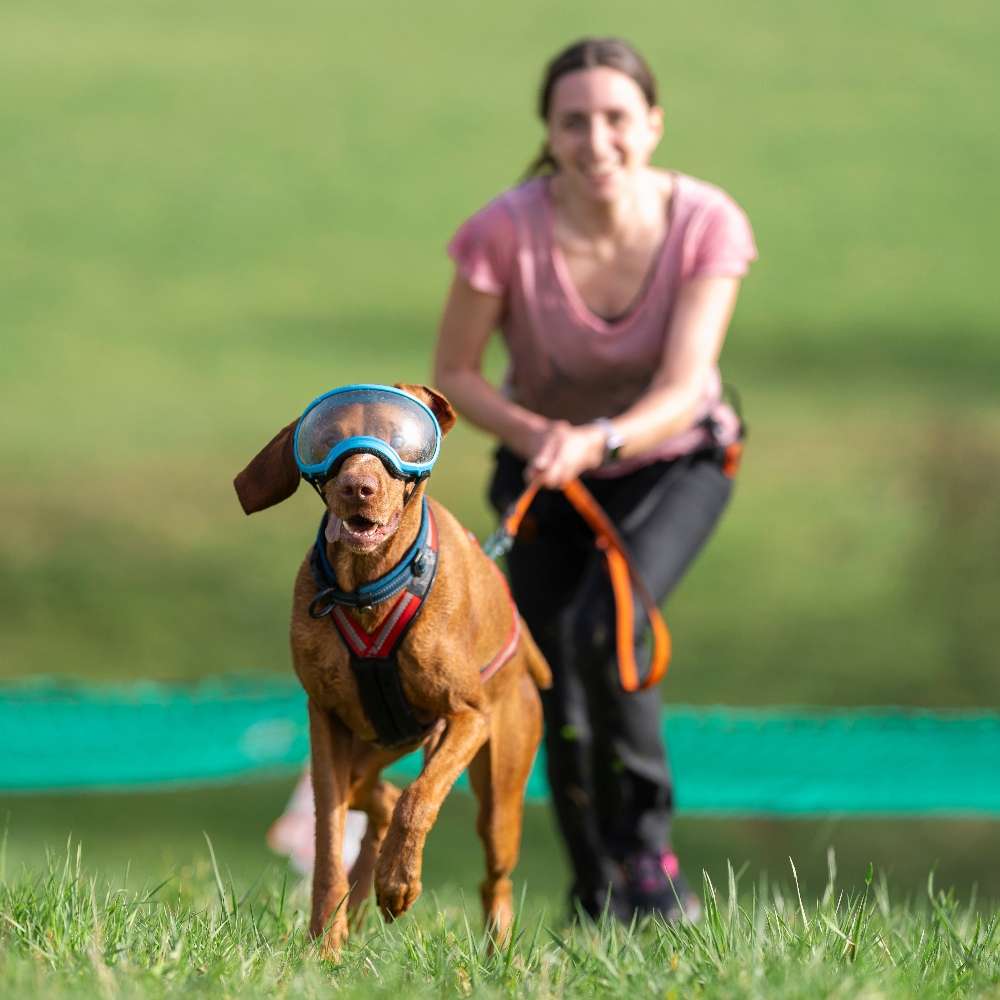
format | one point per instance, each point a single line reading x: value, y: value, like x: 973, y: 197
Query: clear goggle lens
x: 379, y: 414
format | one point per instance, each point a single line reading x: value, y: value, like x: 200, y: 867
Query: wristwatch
x: 613, y: 440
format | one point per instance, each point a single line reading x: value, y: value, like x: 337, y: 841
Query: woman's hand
x: 565, y: 452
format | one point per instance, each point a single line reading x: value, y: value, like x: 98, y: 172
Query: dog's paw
x: 397, y: 887
x: 395, y: 899
x: 331, y: 939
x: 329, y: 927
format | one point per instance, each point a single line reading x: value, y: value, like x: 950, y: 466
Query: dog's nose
x: 357, y: 487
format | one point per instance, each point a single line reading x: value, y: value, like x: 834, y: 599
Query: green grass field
x: 210, y: 214
x: 67, y: 934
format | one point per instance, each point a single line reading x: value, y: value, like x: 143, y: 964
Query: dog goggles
x: 378, y: 420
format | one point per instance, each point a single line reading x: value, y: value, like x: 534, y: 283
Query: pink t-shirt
x: 569, y: 363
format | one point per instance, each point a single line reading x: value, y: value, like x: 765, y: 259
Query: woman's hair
x: 589, y: 53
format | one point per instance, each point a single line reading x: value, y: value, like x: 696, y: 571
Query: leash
x: 621, y: 570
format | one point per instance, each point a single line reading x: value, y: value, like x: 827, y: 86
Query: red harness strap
x: 383, y: 640
x: 507, y: 650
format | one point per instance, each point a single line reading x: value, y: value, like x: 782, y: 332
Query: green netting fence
x: 59, y: 736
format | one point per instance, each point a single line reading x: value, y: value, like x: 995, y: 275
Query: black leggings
x: 607, y: 764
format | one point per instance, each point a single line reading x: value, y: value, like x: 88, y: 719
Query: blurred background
x: 211, y: 213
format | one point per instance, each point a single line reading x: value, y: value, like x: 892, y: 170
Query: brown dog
x: 492, y: 725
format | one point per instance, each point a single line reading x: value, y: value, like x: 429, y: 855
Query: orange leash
x: 621, y: 570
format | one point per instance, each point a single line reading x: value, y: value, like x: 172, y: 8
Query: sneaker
x: 656, y: 885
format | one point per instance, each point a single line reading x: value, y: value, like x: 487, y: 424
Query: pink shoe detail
x: 670, y: 865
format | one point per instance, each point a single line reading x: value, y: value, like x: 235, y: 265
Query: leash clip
x: 498, y: 544
x: 318, y: 610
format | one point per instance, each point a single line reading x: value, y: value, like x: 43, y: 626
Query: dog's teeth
x: 361, y: 526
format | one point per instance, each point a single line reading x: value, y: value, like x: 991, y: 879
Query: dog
x: 467, y: 670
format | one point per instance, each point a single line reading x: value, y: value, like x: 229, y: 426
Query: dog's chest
x: 387, y: 700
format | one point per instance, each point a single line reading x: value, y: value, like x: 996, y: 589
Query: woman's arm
x: 470, y: 318
x: 693, y: 344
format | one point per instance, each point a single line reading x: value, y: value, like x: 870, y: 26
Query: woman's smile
x: 601, y: 131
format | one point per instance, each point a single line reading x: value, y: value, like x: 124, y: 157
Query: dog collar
x: 414, y: 565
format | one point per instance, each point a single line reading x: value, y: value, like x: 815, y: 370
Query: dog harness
x: 373, y: 655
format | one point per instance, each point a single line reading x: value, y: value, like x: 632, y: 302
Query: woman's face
x: 601, y: 131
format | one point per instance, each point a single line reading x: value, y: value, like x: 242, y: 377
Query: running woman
x: 612, y: 284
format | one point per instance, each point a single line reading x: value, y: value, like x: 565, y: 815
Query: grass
x: 64, y: 934
x: 208, y: 214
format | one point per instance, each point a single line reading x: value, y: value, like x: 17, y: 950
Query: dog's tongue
x: 332, y: 529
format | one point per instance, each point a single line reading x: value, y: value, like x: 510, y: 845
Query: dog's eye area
x: 392, y: 434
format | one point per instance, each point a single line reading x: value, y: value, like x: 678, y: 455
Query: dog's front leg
x: 397, y: 875
x: 330, y: 752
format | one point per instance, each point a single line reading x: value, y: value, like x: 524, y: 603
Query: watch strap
x: 613, y: 440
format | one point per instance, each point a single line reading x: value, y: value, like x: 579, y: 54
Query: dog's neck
x: 354, y: 569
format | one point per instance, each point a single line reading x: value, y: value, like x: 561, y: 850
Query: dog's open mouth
x: 362, y: 533
x: 361, y: 526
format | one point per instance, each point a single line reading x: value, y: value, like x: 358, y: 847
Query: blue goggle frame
x: 317, y: 473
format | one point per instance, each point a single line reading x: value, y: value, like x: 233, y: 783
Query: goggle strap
x: 414, y: 482
x: 411, y: 481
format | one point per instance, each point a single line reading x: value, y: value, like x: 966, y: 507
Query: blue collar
x: 413, y: 564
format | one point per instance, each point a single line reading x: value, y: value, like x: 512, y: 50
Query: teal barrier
x: 72, y: 737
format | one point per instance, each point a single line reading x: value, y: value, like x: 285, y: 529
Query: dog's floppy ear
x: 271, y: 476
x: 439, y: 406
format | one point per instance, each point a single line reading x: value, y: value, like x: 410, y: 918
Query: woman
x: 612, y: 283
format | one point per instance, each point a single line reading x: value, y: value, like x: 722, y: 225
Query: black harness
x: 373, y: 654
